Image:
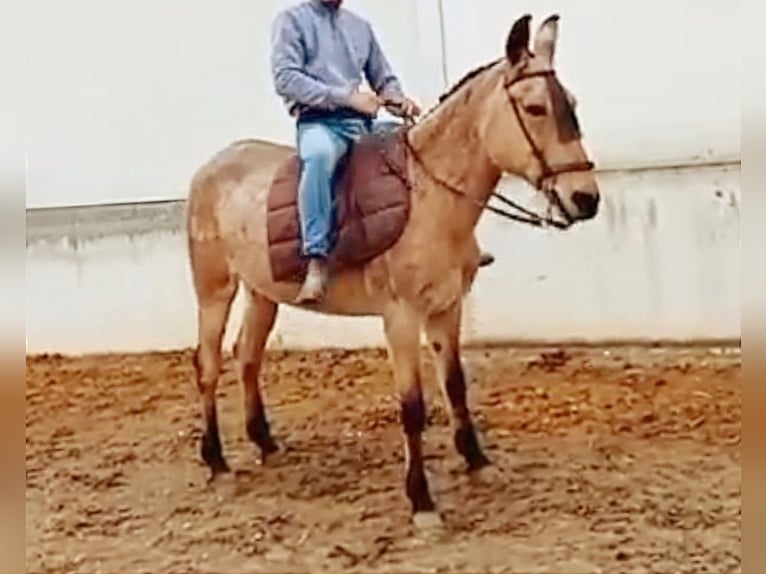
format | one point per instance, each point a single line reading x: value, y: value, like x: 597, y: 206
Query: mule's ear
x: 517, y: 45
x: 545, y: 39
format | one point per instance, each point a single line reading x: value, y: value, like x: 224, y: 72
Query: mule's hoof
x: 478, y: 463
x: 269, y: 448
x: 486, y: 475
x: 217, y: 468
x: 271, y: 453
x: 429, y: 524
x: 218, y: 471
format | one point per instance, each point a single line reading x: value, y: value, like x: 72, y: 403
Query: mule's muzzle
x: 586, y: 203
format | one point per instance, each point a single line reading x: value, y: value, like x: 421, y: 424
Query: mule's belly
x: 349, y: 292
x: 347, y: 295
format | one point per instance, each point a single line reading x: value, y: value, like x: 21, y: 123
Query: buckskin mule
x: 511, y: 115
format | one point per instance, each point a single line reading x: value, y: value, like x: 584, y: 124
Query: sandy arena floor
x: 609, y: 460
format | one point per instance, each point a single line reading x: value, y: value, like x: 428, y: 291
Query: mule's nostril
x: 587, y: 203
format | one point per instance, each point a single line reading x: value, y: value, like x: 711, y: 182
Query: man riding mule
x: 508, y: 116
x: 319, y: 54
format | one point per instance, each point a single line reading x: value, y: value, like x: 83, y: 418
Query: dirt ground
x: 607, y: 460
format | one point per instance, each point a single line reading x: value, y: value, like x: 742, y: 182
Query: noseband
x: 542, y: 183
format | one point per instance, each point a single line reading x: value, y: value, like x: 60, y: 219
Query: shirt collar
x: 322, y: 8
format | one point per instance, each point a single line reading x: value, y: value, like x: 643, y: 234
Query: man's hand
x: 364, y: 102
x: 402, y: 107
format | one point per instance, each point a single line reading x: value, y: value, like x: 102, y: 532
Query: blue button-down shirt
x: 321, y: 54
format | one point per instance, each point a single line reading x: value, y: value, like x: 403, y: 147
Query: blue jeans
x: 321, y: 145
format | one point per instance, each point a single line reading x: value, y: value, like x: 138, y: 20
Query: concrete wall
x: 662, y: 262
x: 125, y: 101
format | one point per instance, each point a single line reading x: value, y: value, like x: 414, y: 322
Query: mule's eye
x: 536, y: 110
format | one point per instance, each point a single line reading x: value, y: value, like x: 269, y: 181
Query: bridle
x: 547, y: 172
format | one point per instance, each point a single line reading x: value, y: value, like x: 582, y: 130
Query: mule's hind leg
x: 257, y: 323
x: 215, y: 288
x: 443, y: 332
x: 402, y: 327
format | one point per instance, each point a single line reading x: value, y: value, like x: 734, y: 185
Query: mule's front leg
x: 443, y: 332
x: 402, y: 327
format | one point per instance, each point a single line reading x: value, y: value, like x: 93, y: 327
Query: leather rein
x: 548, y: 172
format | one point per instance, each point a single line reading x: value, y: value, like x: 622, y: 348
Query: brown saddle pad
x: 372, y: 206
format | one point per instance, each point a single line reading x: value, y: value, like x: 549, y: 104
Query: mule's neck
x: 450, y: 149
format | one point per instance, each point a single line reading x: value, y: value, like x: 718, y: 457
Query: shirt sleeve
x: 378, y: 71
x: 290, y: 79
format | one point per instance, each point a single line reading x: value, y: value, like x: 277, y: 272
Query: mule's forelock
x: 563, y: 111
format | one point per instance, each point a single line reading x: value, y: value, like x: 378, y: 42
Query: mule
x: 511, y: 115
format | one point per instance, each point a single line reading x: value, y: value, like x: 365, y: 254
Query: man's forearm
x: 294, y: 84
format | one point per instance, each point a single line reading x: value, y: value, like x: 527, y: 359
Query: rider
x: 320, y: 52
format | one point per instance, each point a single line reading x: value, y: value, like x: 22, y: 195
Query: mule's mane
x: 465, y: 79
x: 470, y: 75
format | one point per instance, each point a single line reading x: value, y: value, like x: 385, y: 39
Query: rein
x: 527, y: 216
x: 547, y: 172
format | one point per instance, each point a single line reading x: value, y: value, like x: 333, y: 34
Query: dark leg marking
x: 211, y: 444
x: 413, y: 414
x: 466, y: 442
x: 211, y: 450
x: 259, y: 431
x: 257, y: 425
x: 413, y: 419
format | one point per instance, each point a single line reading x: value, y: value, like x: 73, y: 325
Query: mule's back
x: 371, y: 199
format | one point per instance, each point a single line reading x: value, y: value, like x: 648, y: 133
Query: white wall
x: 660, y: 262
